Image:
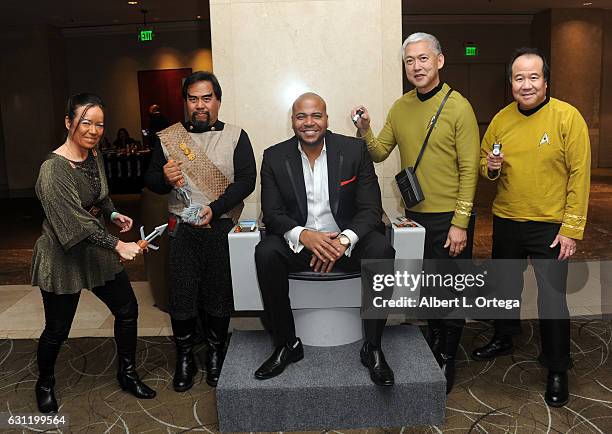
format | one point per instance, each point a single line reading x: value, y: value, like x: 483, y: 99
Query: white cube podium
x: 326, y: 313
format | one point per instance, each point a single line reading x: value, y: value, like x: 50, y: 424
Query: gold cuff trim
x: 575, y: 227
x: 575, y: 217
x: 464, y: 208
x: 462, y: 212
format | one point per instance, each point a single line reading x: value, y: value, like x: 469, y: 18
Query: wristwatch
x: 344, y: 240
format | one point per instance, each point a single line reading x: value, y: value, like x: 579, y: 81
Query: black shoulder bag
x: 407, y: 180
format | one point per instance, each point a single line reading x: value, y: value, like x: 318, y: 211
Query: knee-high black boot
x: 125, y: 338
x: 185, y: 362
x: 452, y: 338
x: 216, y: 337
x: 46, y: 355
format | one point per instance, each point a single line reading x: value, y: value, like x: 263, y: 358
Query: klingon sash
x: 201, y: 170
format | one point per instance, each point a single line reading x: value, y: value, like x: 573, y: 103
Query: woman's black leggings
x: 60, y: 309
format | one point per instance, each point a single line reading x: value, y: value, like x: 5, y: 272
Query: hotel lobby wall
x: 42, y: 65
x: 106, y: 61
x: 576, y: 65
x: 32, y: 95
x: 578, y: 43
x: 268, y: 52
x: 605, y: 114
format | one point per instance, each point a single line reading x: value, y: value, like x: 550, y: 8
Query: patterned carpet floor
x: 505, y: 395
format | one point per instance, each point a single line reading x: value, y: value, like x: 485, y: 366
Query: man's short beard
x: 199, y: 126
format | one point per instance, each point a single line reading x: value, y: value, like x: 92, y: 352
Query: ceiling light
x: 199, y: 16
x: 132, y: 3
x: 587, y: 3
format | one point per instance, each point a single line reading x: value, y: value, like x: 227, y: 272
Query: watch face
x: 344, y: 240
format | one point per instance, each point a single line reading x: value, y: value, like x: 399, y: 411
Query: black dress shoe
x: 557, y: 394
x: 498, y: 346
x: 374, y: 359
x: 290, y: 352
x: 45, y: 396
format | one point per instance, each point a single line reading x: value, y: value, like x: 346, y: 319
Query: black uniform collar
x: 533, y: 110
x: 425, y: 96
x: 217, y: 126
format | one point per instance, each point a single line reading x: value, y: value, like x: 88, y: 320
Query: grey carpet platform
x: 330, y: 388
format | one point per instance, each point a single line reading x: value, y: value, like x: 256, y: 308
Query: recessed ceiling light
x: 132, y: 3
x: 587, y: 3
x: 199, y: 16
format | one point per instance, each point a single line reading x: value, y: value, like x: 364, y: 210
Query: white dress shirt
x: 320, y: 217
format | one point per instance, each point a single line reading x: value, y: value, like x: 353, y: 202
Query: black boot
x: 45, y: 394
x: 126, y: 328
x: 452, y: 337
x: 435, y: 339
x: 557, y: 389
x: 185, y: 362
x: 129, y: 380
x: 46, y: 355
x: 216, y: 336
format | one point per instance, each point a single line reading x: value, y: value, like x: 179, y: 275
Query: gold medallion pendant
x: 188, y: 152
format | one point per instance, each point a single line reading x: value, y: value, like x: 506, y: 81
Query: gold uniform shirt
x: 546, y: 171
x: 448, y: 171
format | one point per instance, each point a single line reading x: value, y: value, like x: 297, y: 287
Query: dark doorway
x: 162, y: 87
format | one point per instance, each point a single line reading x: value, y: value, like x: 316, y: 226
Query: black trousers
x: 275, y: 260
x: 436, y: 227
x: 521, y: 240
x: 60, y: 309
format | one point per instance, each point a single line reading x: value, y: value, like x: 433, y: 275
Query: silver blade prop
x: 158, y: 231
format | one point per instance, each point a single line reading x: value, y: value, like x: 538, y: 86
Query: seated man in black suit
x: 321, y: 207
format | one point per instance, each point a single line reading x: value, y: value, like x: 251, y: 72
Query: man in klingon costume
x: 207, y: 167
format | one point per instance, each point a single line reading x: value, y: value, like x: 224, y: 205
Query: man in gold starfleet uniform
x: 543, y: 175
x: 447, y: 173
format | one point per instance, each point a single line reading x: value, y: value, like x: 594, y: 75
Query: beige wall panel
x: 266, y: 53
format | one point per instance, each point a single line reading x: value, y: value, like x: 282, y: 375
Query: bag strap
x: 431, y: 127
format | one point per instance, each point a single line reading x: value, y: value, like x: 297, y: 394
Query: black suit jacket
x: 354, y: 193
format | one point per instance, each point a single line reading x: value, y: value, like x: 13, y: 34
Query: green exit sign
x: 145, y: 35
x: 471, y: 50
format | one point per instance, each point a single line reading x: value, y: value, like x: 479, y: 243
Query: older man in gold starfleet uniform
x: 543, y: 176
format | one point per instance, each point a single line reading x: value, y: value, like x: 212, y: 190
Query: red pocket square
x: 348, y: 181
